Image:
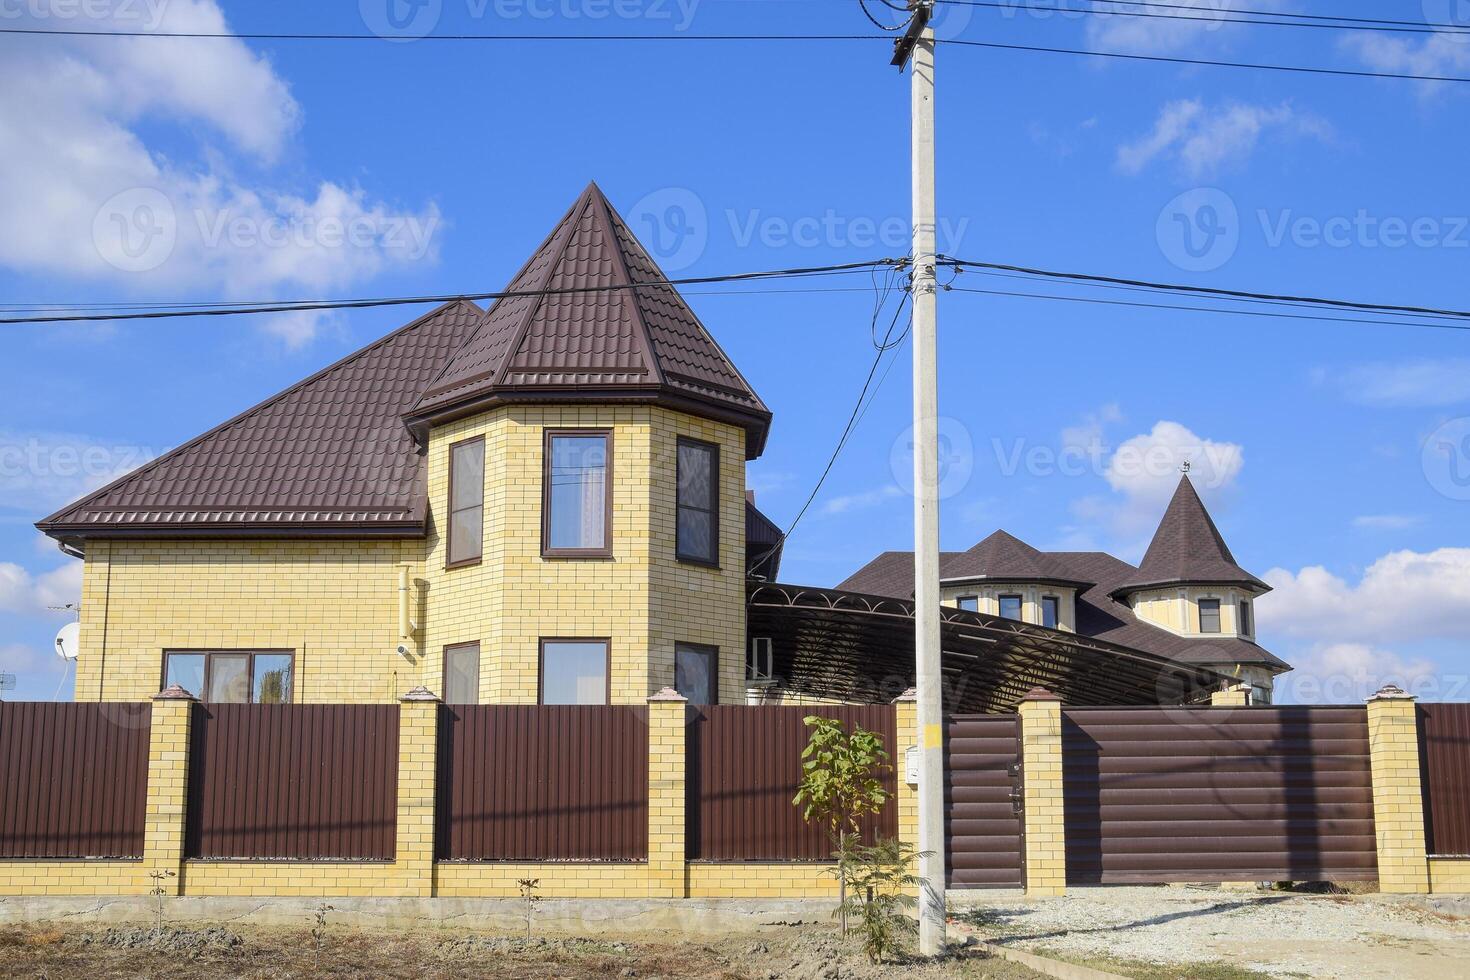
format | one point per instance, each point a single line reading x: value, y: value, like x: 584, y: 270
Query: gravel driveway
x: 1280, y: 933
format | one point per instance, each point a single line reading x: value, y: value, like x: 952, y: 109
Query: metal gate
x: 982, y: 801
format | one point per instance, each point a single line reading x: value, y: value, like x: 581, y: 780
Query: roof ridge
x: 265, y: 403
x: 629, y: 295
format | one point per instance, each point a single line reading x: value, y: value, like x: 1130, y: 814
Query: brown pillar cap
x: 668, y: 694
x: 174, y: 693
x: 419, y: 694
x: 1040, y: 694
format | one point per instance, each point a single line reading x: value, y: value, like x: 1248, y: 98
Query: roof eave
x: 74, y: 533
x: 1256, y: 586
x: 1019, y: 580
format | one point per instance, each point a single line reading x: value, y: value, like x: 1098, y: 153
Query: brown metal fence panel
x: 983, y: 820
x: 1444, y: 754
x: 543, y: 783
x: 303, y: 781
x: 1212, y: 794
x: 73, y: 779
x: 744, y: 766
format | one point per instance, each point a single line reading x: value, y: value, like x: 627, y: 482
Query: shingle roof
x: 1098, y: 613
x: 329, y: 453
x: 596, y: 341
x: 1005, y: 557
x: 1187, y: 548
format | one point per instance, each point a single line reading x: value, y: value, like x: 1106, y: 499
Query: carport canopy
x: 846, y: 646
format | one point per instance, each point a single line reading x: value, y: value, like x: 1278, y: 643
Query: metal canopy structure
x: 860, y: 648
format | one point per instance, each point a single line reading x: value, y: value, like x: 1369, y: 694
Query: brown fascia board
x: 756, y: 424
x: 1018, y: 580
x: 1257, y: 587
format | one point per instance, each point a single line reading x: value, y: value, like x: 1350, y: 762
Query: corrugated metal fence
x: 293, y: 781
x: 1444, y: 756
x: 744, y: 766
x: 73, y: 780
x: 1192, y: 794
x: 983, y: 819
x: 532, y: 783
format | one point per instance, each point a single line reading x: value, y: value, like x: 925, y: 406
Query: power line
x: 290, y: 307
x: 1278, y: 13
x: 1210, y: 290
x: 1213, y: 309
x: 1166, y: 59
x: 1217, y: 18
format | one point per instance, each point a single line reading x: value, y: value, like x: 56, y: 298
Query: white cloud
x: 17, y: 658
x: 1439, y: 54
x: 1411, y: 383
x: 1350, y: 673
x: 861, y: 501
x: 1086, y: 437
x: 1162, y: 35
x: 22, y: 592
x: 1203, y: 140
x: 1145, y: 471
x: 1387, y: 522
x: 1403, y: 596
x: 83, y: 194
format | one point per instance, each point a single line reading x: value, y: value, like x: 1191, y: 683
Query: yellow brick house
x: 542, y: 501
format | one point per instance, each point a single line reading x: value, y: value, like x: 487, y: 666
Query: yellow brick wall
x: 278, y: 879
x: 418, y: 738
x: 1041, y: 763
x: 559, y: 879
x: 1449, y: 876
x: 907, y: 730
x: 32, y: 878
x: 334, y: 604
x: 1398, y: 803
x: 642, y: 598
x: 761, y: 880
x: 168, y: 789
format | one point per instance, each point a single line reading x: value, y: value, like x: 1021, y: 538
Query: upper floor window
x: 231, y: 676
x: 1050, y: 611
x: 574, y: 672
x: 697, y: 533
x: 576, y: 519
x: 1010, y: 606
x: 969, y: 603
x: 696, y: 672
x: 462, y: 673
x: 1209, y: 615
x: 1243, y: 625
x: 466, y: 501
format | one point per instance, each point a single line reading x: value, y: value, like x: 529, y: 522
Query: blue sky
x: 298, y: 169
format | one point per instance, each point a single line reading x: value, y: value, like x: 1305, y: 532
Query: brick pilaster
x: 418, y: 744
x: 667, y: 723
x: 1398, y: 802
x: 1041, y: 768
x: 168, y: 787
x: 906, y: 727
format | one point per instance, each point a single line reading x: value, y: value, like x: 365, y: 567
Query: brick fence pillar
x: 1398, y: 803
x: 1236, y: 696
x: 667, y: 724
x: 1041, y: 775
x: 168, y: 787
x: 906, y: 733
x: 418, y: 757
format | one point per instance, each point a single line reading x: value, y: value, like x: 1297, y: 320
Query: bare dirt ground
x: 807, y: 952
x: 1278, y: 934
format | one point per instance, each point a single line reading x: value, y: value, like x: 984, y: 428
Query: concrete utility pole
x: 917, y: 45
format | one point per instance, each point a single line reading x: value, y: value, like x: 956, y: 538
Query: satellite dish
x: 69, y: 641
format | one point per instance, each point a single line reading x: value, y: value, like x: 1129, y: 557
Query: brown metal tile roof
x: 582, y: 337
x: 330, y: 453
x: 1004, y: 556
x: 1188, y: 548
x: 1099, y: 615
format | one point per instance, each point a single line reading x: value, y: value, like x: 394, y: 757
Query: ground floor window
x: 696, y: 673
x: 462, y: 673
x: 574, y: 671
x: 232, y: 676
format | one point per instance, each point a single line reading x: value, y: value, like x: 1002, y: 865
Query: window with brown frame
x: 697, y: 672
x: 466, y: 502
x: 462, y: 673
x: 574, y: 671
x: 1209, y: 615
x: 576, y: 497
x: 969, y: 603
x: 697, y: 527
x: 232, y: 676
x: 1050, y: 611
x: 1010, y: 606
